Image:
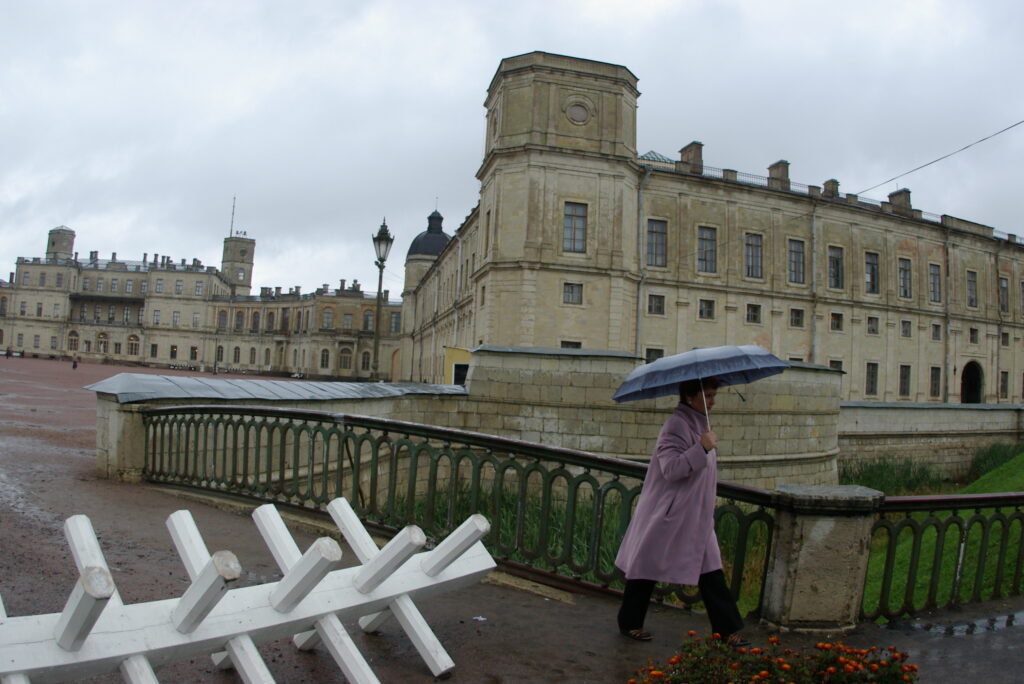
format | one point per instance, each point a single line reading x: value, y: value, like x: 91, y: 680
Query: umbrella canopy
x: 732, y: 365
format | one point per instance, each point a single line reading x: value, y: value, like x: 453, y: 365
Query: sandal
x: 636, y: 634
x: 737, y: 640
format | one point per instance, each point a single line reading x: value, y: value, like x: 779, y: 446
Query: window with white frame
x: 935, y: 382
x: 574, y: 232
x: 707, y: 249
x: 835, y: 321
x: 753, y: 313
x: 657, y: 242
x: 796, y: 318
x: 905, y: 277
x: 871, y: 272
x: 835, y: 267
x: 752, y: 255
x: 904, y: 381
x: 873, y: 325
x: 796, y: 262
x: 572, y: 293
x: 656, y: 304
x: 934, y: 283
x: 905, y: 328
x: 706, y: 309
x: 972, y: 289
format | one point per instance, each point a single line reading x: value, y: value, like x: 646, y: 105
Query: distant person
x: 8, y: 352
x: 671, y: 537
x: 74, y: 362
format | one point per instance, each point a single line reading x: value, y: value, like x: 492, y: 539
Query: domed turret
x: 432, y: 241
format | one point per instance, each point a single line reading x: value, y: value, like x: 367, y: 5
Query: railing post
x: 120, y: 439
x: 822, y: 538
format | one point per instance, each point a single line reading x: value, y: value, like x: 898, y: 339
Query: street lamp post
x: 381, y: 245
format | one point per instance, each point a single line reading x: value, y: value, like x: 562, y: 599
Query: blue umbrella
x: 732, y: 365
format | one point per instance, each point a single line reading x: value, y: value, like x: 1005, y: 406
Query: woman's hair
x: 691, y: 388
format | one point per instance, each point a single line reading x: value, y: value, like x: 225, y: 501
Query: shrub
x: 991, y: 457
x: 893, y: 477
x: 712, y: 661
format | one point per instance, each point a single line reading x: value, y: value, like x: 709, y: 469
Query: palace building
x: 163, y: 312
x: 578, y: 241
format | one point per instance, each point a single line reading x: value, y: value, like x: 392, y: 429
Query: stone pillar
x: 691, y: 158
x: 120, y: 439
x: 900, y: 201
x: 819, y: 560
x: 778, y: 175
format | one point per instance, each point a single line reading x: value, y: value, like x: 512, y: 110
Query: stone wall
x: 944, y: 436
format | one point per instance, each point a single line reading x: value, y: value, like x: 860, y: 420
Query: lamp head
x: 382, y: 242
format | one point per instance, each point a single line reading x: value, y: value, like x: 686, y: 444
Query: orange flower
x: 674, y: 660
x: 716, y: 636
x: 786, y: 667
x: 773, y: 640
x: 691, y: 633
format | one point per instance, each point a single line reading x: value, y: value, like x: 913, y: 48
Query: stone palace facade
x: 162, y: 312
x: 578, y: 241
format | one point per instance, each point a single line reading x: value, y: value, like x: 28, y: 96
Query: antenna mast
x: 231, y: 228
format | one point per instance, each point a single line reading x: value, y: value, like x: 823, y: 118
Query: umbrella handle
x: 707, y: 419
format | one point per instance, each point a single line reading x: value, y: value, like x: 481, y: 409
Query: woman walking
x: 671, y: 537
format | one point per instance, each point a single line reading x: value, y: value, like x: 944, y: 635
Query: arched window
x: 101, y: 343
x: 366, y: 361
x: 252, y: 356
x: 328, y: 318
x: 220, y: 354
x: 345, y: 359
x: 72, y: 341
x: 368, y: 320
x: 255, y: 326
x: 239, y: 320
x: 270, y: 321
x: 237, y: 356
x: 325, y: 359
x: 133, y: 345
x: 222, y: 319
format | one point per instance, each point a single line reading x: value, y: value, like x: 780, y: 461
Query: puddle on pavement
x: 979, y: 626
x: 17, y: 501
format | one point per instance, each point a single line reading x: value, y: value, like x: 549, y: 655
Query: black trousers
x: 721, y: 607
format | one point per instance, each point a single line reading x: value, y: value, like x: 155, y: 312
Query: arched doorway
x: 971, y: 382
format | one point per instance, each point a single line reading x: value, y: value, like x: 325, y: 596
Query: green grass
x: 894, y: 477
x: 998, y: 468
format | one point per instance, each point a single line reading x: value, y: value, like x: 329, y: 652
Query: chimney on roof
x: 778, y: 175
x: 384, y: 295
x: 900, y: 201
x: 277, y: 291
x: 113, y: 256
x: 831, y: 188
x: 341, y: 287
x: 145, y: 257
x: 691, y: 159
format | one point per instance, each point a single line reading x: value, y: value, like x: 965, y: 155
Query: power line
x: 945, y: 156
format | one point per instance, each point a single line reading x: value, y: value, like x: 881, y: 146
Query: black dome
x: 433, y: 240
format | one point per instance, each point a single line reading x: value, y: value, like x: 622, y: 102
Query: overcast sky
x: 135, y: 123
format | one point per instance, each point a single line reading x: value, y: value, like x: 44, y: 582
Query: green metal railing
x: 941, y: 551
x: 556, y: 514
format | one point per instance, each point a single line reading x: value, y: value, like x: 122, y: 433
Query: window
x: 270, y: 321
x: 345, y: 359
x: 934, y: 382
x: 21, y: 340
x: 254, y: 322
x: 325, y: 358
x: 835, y: 364
x: 707, y: 249
x: 133, y: 346
x: 85, y: 284
x: 346, y: 321
x: 328, y: 318
x: 796, y: 318
x: 236, y: 355
x: 60, y: 280
x: 872, y: 325
x: 195, y: 320
x: 156, y: 316
x: 752, y: 258
x: 871, y: 272
x: 143, y: 287
x: 159, y: 286
x: 657, y: 242
x: 53, y: 342
x: 706, y: 309
x: 36, y: 343
x: 905, y: 278
x: 753, y: 313
x: 936, y: 331
x: 367, y: 320
x: 199, y: 288
x: 1004, y: 339
x: 972, y: 288
x: 365, y: 362
x: 72, y: 341
x: 117, y: 348
x: 905, y: 328
x: 175, y: 318
x: 239, y: 320
x: 652, y: 354
x: 934, y: 283
x: 99, y: 283
x: 1004, y: 384
x: 570, y: 344
x: 173, y: 351
x: 1004, y: 295
x: 572, y: 293
x: 220, y: 354
x: 193, y: 353
x: 241, y: 274
x: 835, y: 321
x: 179, y: 286
x: 871, y: 379
x: 904, y: 380
x: 153, y: 350
x: 24, y: 281
x: 111, y: 313
x: 796, y: 261
x: 42, y: 279
x: 835, y: 268
x: 129, y: 286
x: 113, y: 284
x: 656, y: 304
x: 396, y: 322
x: 222, y: 319
x: 39, y: 309
x: 574, y: 233
x: 22, y: 308
x: 972, y: 335
x: 266, y: 356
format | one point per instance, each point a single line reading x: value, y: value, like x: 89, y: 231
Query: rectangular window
x: 835, y: 268
x: 796, y: 318
x: 904, y: 380
x: 126, y: 315
x: 346, y: 321
x: 835, y: 364
x: 871, y: 379
x: 1004, y: 339
x: 1004, y: 295
x: 707, y: 249
x: 574, y: 233
x: 39, y: 309
x: 175, y: 318
x: 657, y: 242
x: 42, y: 279
x: 24, y: 281
x: 129, y: 286
x: 153, y: 349
x: 872, y: 325
x: 972, y: 289
x: 53, y: 342
x: 936, y: 331
x: 905, y: 328
x: 178, y: 287
x: 111, y: 313
x: 935, y: 382
x: 85, y: 284
x: 35, y: 341
x: 173, y: 352
x: 796, y: 261
x: 905, y: 278
x: 113, y: 284
x: 199, y: 288
x: 144, y: 287
x: 1004, y: 384
x: 60, y: 280
x: 156, y: 316
x: 99, y: 284
x: 972, y: 335
x: 195, y: 320
x: 835, y: 321
x: 934, y: 283
x: 396, y: 322
x: 706, y: 309
x: 572, y: 293
x: 871, y: 272
x: 752, y: 255
x: 22, y: 308
x: 656, y: 304
x: 159, y: 287
x: 753, y: 313
x: 56, y: 310
x: 21, y: 340
x: 569, y: 344
x: 653, y: 354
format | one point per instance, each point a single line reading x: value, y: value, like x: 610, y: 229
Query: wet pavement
x: 499, y: 631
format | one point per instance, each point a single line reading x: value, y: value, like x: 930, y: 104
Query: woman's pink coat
x: 671, y: 537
